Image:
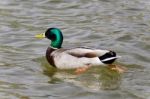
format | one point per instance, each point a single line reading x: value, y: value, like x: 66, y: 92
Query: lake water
x: 119, y: 25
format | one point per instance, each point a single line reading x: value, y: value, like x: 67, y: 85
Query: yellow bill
x: 40, y: 36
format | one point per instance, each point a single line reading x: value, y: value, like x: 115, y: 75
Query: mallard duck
x: 76, y: 58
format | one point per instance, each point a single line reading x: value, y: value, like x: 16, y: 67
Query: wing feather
x: 89, y: 53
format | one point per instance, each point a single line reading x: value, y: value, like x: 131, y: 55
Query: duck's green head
x: 53, y: 34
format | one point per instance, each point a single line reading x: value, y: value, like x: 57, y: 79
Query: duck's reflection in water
x: 94, y: 79
x: 109, y: 79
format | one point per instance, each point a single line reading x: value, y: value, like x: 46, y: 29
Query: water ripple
x: 120, y: 25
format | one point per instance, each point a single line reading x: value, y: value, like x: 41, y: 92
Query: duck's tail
x: 109, y: 57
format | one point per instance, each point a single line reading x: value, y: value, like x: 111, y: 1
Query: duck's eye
x: 53, y: 37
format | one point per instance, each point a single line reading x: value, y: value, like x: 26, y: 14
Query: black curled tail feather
x: 108, y: 58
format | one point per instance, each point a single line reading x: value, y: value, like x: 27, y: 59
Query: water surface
x: 120, y: 25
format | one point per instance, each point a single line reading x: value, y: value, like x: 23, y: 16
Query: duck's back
x: 74, y: 58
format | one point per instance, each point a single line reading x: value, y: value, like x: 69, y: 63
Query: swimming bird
x: 75, y: 58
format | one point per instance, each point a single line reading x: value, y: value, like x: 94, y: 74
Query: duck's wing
x: 84, y: 52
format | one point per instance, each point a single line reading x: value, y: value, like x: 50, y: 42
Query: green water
x: 120, y: 25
